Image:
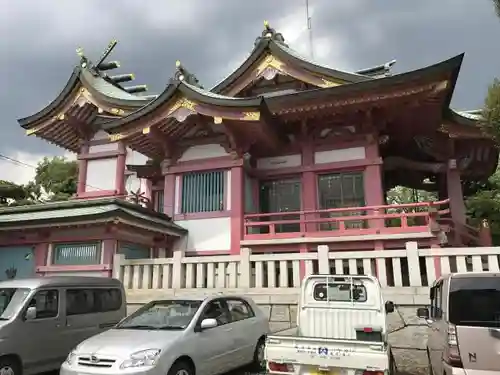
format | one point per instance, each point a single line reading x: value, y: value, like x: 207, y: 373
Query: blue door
x: 16, y: 262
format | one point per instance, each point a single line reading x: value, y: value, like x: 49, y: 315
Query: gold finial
x: 266, y: 24
x: 79, y: 51
x: 132, y: 75
x: 178, y: 64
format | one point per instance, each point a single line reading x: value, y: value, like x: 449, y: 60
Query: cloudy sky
x: 212, y: 37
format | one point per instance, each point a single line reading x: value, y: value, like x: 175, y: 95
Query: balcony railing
x: 401, y: 218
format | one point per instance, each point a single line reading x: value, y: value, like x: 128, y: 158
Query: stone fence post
x: 245, y: 267
x: 177, y: 269
x: 118, y: 260
x: 413, y: 263
x: 323, y: 261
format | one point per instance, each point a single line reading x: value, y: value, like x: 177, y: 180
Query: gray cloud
x: 211, y: 37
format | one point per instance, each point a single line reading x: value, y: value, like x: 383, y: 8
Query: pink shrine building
x: 281, y: 156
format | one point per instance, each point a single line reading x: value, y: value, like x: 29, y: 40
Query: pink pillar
x: 169, y: 195
x: 108, y: 252
x: 237, y: 208
x: 455, y: 193
x: 309, y: 187
x: 120, y: 169
x: 41, y: 252
x: 374, y: 192
x: 82, y: 170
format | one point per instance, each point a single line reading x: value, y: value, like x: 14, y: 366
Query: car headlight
x: 143, y: 358
x: 70, y: 359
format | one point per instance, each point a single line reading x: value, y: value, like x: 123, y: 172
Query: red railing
x: 401, y: 218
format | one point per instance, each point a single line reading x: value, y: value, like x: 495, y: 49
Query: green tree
x: 55, y: 180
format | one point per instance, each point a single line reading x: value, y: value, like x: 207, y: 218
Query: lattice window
x: 77, y: 253
x: 341, y: 190
x: 202, y: 192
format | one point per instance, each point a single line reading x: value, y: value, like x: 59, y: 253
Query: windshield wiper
x: 170, y: 327
x: 137, y: 326
x: 3, y: 318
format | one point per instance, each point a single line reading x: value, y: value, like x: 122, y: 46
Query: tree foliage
x: 55, y: 180
x: 491, y: 111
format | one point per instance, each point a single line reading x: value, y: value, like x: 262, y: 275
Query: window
x: 217, y: 310
x: 11, y: 300
x: 162, y: 314
x: 89, y: 301
x: 281, y: 196
x: 437, y: 301
x: 46, y: 303
x: 340, y: 292
x: 158, y: 203
x: 77, y: 253
x: 341, y: 190
x: 202, y: 192
x: 475, y: 301
x: 239, y: 310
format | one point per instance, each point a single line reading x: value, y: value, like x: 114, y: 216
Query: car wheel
x: 9, y: 366
x: 180, y: 368
x: 259, y: 363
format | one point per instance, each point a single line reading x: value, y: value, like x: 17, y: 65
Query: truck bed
x: 287, y: 347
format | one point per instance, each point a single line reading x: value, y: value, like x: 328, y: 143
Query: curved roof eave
x: 73, y: 81
x: 190, y: 92
x: 451, y: 65
x: 255, y: 55
x: 286, y: 54
x: 110, y: 93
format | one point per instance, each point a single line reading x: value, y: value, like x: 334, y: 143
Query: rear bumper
x: 449, y: 370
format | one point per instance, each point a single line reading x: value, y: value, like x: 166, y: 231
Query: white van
x: 341, y: 329
x: 42, y: 319
x: 464, y: 318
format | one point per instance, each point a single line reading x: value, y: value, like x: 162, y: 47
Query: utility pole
x: 309, y: 28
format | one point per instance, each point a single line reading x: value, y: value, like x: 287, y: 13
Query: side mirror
x: 389, y: 307
x: 208, y: 323
x: 30, y: 313
x: 423, y: 312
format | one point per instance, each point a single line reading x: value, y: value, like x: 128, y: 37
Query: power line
x: 23, y: 164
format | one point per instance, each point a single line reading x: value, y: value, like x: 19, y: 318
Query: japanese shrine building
x: 282, y: 155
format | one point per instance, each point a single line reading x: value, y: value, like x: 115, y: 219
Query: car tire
x: 9, y: 366
x: 258, y: 363
x: 181, y: 368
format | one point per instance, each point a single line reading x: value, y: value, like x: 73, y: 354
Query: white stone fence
x: 404, y: 273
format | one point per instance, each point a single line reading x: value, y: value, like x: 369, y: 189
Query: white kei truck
x: 341, y: 330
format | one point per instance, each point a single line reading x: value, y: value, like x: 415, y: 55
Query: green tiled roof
x: 73, y: 211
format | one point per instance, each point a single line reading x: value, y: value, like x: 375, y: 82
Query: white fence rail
x: 409, y: 267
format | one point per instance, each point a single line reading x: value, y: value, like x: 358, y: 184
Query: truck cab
x: 341, y: 329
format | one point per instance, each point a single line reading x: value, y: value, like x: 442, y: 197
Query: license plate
x: 326, y: 372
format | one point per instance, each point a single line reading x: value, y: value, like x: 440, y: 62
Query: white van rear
x: 341, y: 328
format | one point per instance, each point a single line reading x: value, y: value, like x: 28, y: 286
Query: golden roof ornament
x: 270, y: 33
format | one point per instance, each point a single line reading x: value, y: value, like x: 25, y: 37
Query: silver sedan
x: 177, y: 337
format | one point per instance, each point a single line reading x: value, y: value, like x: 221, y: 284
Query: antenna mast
x: 309, y: 28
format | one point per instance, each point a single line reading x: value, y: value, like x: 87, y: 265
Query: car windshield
x: 166, y: 315
x: 475, y: 301
x: 11, y: 300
